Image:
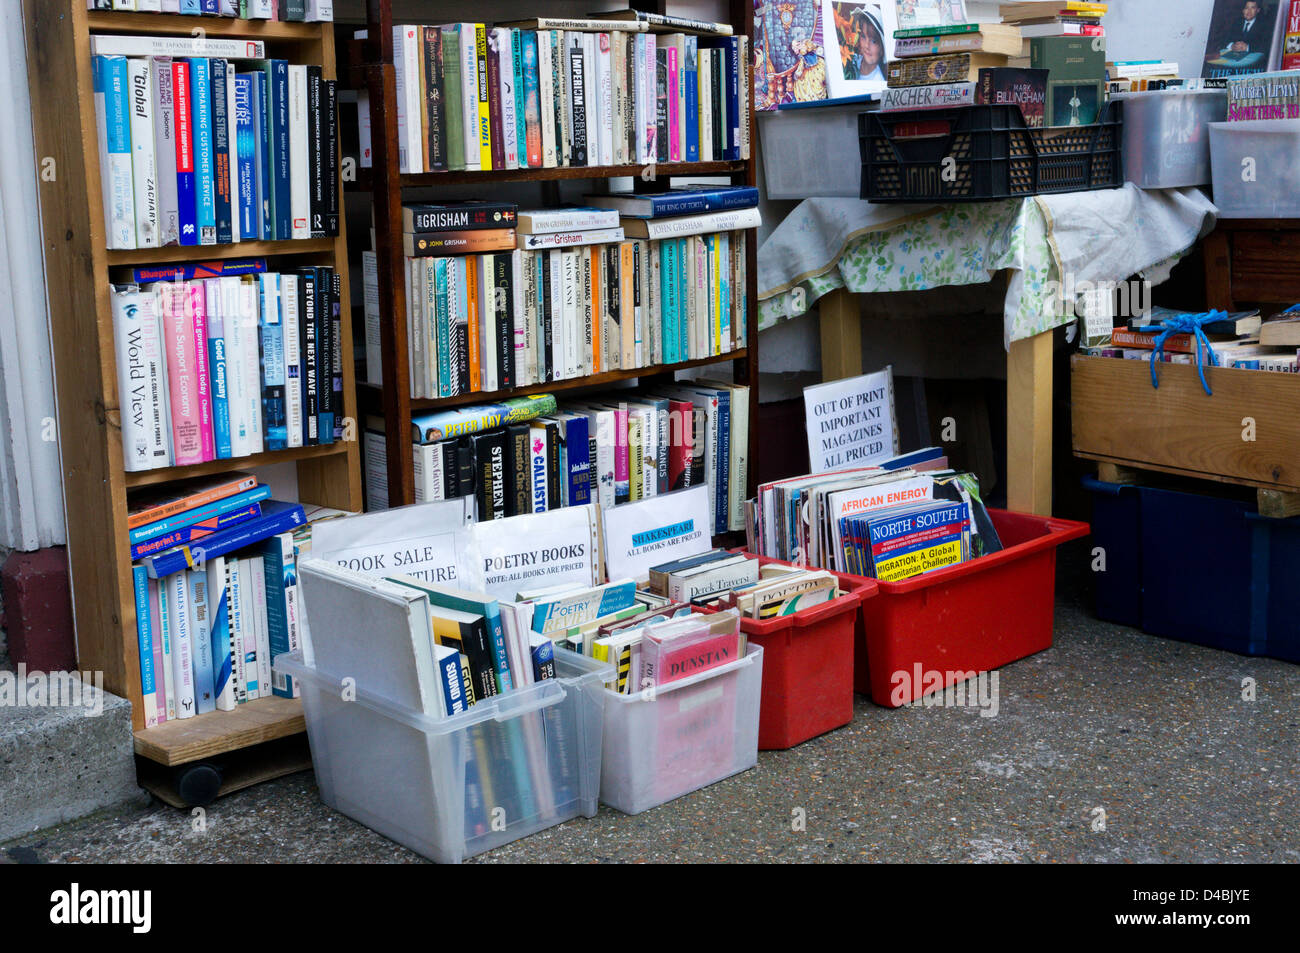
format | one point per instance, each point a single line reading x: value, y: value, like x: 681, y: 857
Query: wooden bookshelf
x: 374, y: 70
x: 78, y: 267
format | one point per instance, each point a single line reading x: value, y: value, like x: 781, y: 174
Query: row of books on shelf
x: 228, y: 366
x: 550, y: 93
x: 568, y: 304
x: 1243, y: 340
x: 215, y: 585
x: 309, y: 11
x: 195, y: 152
x: 900, y: 518
x: 530, y: 455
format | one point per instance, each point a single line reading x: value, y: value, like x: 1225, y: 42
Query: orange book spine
x: 597, y: 271
x: 471, y: 281
x: 202, y: 498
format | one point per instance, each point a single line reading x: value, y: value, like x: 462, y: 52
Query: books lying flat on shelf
x: 301, y: 11
x: 195, y: 150
x: 559, y: 92
x: 228, y: 367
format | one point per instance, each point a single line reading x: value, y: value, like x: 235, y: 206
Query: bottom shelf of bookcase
x: 243, y: 769
x: 218, y: 732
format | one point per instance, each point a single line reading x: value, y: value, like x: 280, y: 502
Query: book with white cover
x: 681, y: 226
x: 406, y: 70
x: 299, y: 173
x: 252, y: 364
x: 263, y: 631
x: 249, y: 569
x: 144, y: 171
x: 178, y: 46
x: 164, y: 130
x: 182, y: 646
x: 544, y: 221
x: 141, y: 379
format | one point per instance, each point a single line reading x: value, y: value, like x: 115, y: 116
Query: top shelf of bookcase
x: 365, y: 177
x: 101, y: 21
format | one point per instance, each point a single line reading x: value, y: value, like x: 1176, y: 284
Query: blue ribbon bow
x: 1193, y: 324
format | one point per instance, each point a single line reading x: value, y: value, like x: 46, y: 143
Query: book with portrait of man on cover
x: 1242, y: 37
x: 859, y: 39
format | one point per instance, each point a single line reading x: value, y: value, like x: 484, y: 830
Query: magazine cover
x: 1241, y: 37
x: 789, y: 56
x: 859, y: 42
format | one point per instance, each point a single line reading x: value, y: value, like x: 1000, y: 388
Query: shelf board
x: 186, y: 253
x: 217, y: 732
x: 167, y: 474
x: 662, y: 171
x: 104, y: 21
x: 593, y: 380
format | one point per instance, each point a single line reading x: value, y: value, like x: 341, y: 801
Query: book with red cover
x: 681, y: 436
x: 688, y: 647
x: 1013, y: 86
x: 162, y: 502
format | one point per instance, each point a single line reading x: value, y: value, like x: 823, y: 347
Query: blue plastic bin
x: 1277, y: 561
x: 1117, y: 530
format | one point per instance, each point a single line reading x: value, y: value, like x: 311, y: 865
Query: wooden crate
x: 1119, y: 418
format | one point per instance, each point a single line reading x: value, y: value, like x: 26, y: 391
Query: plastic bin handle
x: 511, y: 705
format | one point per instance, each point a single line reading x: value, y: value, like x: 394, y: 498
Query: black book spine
x: 520, y: 460
x: 221, y: 122
x: 613, y: 303
x: 451, y: 469
x: 308, y: 328
x: 719, y: 130
x: 554, y: 478
x: 325, y: 355
x: 577, y: 76
x: 496, y: 471
x: 435, y: 108
x: 315, y: 154
x: 329, y: 107
x: 504, y: 304
x: 466, y: 465
x: 548, y: 338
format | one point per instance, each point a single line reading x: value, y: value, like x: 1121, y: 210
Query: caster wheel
x: 198, y: 784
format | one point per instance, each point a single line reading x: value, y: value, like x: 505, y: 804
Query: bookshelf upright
x: 373, y: 71
x: 79, y: 269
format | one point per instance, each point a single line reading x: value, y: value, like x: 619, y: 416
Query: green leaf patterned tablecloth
x: 1100, y: 236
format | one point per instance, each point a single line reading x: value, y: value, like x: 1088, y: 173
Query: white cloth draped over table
x: 1106, y: 235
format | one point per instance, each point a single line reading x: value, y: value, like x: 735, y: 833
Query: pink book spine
x: 621, y: 450
x: 156, y: 639
x: 674, y: 137
x: 198, y: 315
x: 182, y: 379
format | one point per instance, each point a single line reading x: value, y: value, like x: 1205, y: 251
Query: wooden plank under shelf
x: 167, y: 474
x: 190, y: 253
x: 103, y: 21
x: 205, y: 736
x: 592, y: 380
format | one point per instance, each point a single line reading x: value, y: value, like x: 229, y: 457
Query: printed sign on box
x: 430, y: 541
x: 851, y: 422
x: 558, y: 547
x: 657, y: 530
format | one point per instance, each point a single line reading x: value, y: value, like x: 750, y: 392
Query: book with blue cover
x: 559, y: 613
x: 686, y: 200
x: 277, y: 517
x: 277, y: 146
x: 906, y: 541
x: 200, y: 606
x: 280, y: 570
x: 249, y: 216
x: 194, y: 532
x: 223, y: 662
x: 200, y: 513
x: 144, y: 638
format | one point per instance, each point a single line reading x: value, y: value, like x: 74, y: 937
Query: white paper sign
x: 851, y: 422
x: 657, y: 530
x: 559, y: 547
x: 430, y: 541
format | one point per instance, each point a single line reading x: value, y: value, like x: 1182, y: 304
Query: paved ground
x: 1154, y: 733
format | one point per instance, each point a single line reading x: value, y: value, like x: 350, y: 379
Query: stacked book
x: 310, y: 11
x: 226, y: 359
x: 1241, y: 339
x: 527, y: 455
x: 901, y: 518
x: 205, y: 141
x: 939, y: 58
x: 499, y: 298
x: 722, y: 579
x: 1056, y: 17
x: 215, y: 593
x: 555, y: 92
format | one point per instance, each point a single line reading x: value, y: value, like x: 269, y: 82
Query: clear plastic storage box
x: 811, y: 152
x: 682, y: 736
x: 450, y: 788
x: 1167, y: 136
x: 1256, y: 174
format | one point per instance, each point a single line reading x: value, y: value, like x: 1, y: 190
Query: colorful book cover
x: 200, y: 626
x: 916, y: 540
x: 217, y: 369
x: 1240, y: 37
x: 198, y: 319
x: 271, y: 330
x: 182, y: 375
x: 223, y: 153
x: 789, y: 55
x: 280, y: 567
x: 1026, y: 88
x: 186, y: 186
x: 195, y: 531
x: 205, y: 208
x: 561, y: 613
x: 277, y: 517
x: 144, y: 639
x: 120, y: 188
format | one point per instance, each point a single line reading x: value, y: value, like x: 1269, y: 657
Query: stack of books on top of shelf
x: 205, y: 141
x: 226, y: 359
x: 531, y: 455
x: 939, y: 56
x: 215, y: 592
x: 556, y: 92
x: 900, y: 518
x: 309, y: 11
x: 499, y: 298
x: 1241, y: 339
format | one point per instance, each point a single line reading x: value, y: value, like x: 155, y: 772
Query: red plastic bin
x: 807, y: 665
x: 965, y: 619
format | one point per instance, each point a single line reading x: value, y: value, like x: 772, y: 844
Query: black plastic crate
x: 994, y: 155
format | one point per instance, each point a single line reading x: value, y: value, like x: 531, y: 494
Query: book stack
x: 225, y: 360
x: 215, y: 593
x: 1056, y: 18
x: 526, y: 455
x: 309, y: 11
x: 875, y: 521
x: 939, y: 55
x: 556, y: 92
x: 205, y: 141
x: 499, y: 298
x: 1241, y: 339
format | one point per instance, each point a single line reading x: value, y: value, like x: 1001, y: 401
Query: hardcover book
x: 1026, y: 88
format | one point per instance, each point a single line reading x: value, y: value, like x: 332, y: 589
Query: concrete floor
x: 1155, y: 733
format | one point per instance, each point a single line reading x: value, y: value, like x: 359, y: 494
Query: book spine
x: 178, y: 336
x: 546, y: 101
x: 533, y: 125
x: 120, y: 193
x: 496, y: 99
x: 164, y: 132
x: 144, y: 641
x: 299, y: 171
x: 251, y: 586
x: 247, y: 221
x: 309, y: 327
x: 520, y: 97
x: 158, y: 600
x: 277, y: 144
x: 223, y: 153
x: 503, y: 305
x: 291, y: 332
x: 217, y: 371
x: 325, y: 354
x: 434, y: 100
x: 563, y: 100
x: 218, y: 635
x: 483, y: 122
x: 406, y: 69
x: 271, y: 331
x: 182, y: 647
x: 143, y: 166
x: 204, y: 177
x: 577, y: 83
x: 280, y: 579
x: 469, y: 93
x: 506, y: 93
x: 316, y: 152
x: 141, y: 379
x: 201, y: 646
x: 197, y: 319
x: 236, y: 602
